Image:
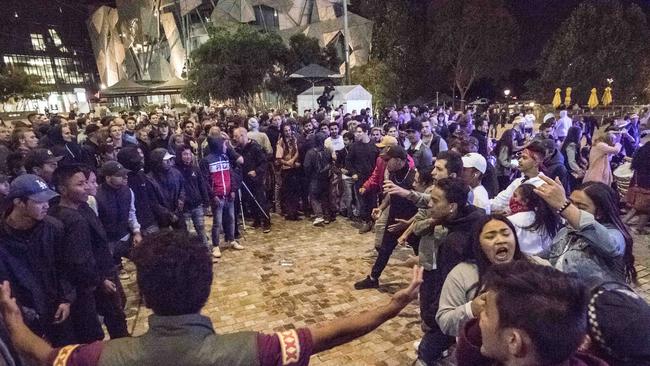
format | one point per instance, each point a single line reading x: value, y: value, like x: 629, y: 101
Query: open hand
x: 404, y: 296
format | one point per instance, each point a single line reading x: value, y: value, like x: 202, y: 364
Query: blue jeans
x: 197, y: 215
x: 225, y: 207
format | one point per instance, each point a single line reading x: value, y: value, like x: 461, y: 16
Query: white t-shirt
x: 481, y: 198
x: 531, y: 242
x: 334, y: 145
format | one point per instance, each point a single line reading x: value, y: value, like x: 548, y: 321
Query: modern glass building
x: 49, y: 38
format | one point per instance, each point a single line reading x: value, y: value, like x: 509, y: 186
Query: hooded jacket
x: 448, y: 250
x: 169, y: 182
x: 34, y: 269
x: 554, y: 168
x: 149, y: 210
x: 71, y: 151
x: 196, y: 190
x: 215, y: 168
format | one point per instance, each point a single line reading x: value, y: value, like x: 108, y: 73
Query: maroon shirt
x: 291, y: 347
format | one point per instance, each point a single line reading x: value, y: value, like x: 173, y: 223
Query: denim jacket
x: 592, y: 250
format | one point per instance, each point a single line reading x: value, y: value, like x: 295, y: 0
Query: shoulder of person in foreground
x: 282, y: 348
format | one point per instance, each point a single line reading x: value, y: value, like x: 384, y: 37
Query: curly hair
x: 174, y: 272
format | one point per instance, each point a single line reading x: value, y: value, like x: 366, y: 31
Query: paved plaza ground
x: 299, y: 275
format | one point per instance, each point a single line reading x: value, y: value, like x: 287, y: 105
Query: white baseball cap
x: 475, y: 160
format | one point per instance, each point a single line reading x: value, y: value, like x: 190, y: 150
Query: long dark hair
x: 546, y: 220
x: 480, y: 259
x: 507, y: 140
x: 574, y: 135
x: 607, y: 212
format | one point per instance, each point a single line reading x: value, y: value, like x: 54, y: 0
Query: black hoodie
x: 454, y: 248
x: 196, y: 190
x: 554, y: 168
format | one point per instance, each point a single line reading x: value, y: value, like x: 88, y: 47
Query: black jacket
x: 454, y: 248
x: 255, y: 159
x: 32, y: 262
x: 87, y: 258
x: 361, y: 159
x: 554, y: 168
x: 196, y: 189
x: 91, y: 155
x: 113, y: 206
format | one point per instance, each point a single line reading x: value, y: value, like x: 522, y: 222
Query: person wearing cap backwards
x: 116, y: 209
x: 31, y: 260
x: 399, y: 208
x: 169, y: 186
x: 43, y: 163
x: 374, y: 183
x: 474, y: 166
x: 87, y: 260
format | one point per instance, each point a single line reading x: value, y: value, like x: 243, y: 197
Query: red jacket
x: 376, y: 179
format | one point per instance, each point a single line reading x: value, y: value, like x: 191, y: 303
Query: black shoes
x: 366, y: 283
x: 365, y: 227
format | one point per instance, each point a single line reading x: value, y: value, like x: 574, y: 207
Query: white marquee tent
x: 353, y: 97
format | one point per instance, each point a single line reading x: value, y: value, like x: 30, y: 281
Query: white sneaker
x: 216, y: 252
x: 319, y: 221
x: 235, y: 245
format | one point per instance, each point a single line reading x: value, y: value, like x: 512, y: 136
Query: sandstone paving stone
x: 253, y: 291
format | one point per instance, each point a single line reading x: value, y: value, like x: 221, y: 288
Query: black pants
x: 367, y: 201
x: 84, y: 317
x: 257, y: 193
x: 290, y: 192
x: 111, y: 307
x: 434, y: 342
x: 388, y: 244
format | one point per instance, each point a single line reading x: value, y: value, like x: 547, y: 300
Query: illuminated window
x: 266, y: 16
x: 32, y: 65
x: 37, y: 41
x: 57, y: 40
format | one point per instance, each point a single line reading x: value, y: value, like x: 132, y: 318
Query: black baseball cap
x: 414, y: 126
x: 38, y: 157
x: 113, y: 168
x: 32, y: 187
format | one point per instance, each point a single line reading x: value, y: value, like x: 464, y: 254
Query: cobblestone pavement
x: 299, y: 275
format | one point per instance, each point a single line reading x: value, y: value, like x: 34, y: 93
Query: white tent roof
x: 347, y: 91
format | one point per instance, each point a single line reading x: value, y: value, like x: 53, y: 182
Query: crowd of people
x: 521, y: 255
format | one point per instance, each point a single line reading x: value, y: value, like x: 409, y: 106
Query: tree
x: 601, y: 39
x: 378, y: 79
x: 16, y: 85
x: 399, y: 33
x: 470, y: 39
x: 236, y: 65
x: 305, y: 50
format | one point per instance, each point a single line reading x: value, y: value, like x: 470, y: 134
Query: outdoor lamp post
x: 506, y: 93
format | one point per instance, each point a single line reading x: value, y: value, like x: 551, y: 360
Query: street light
x: 506, y: 92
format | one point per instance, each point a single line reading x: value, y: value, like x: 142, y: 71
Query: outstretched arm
x: 339, y: 331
